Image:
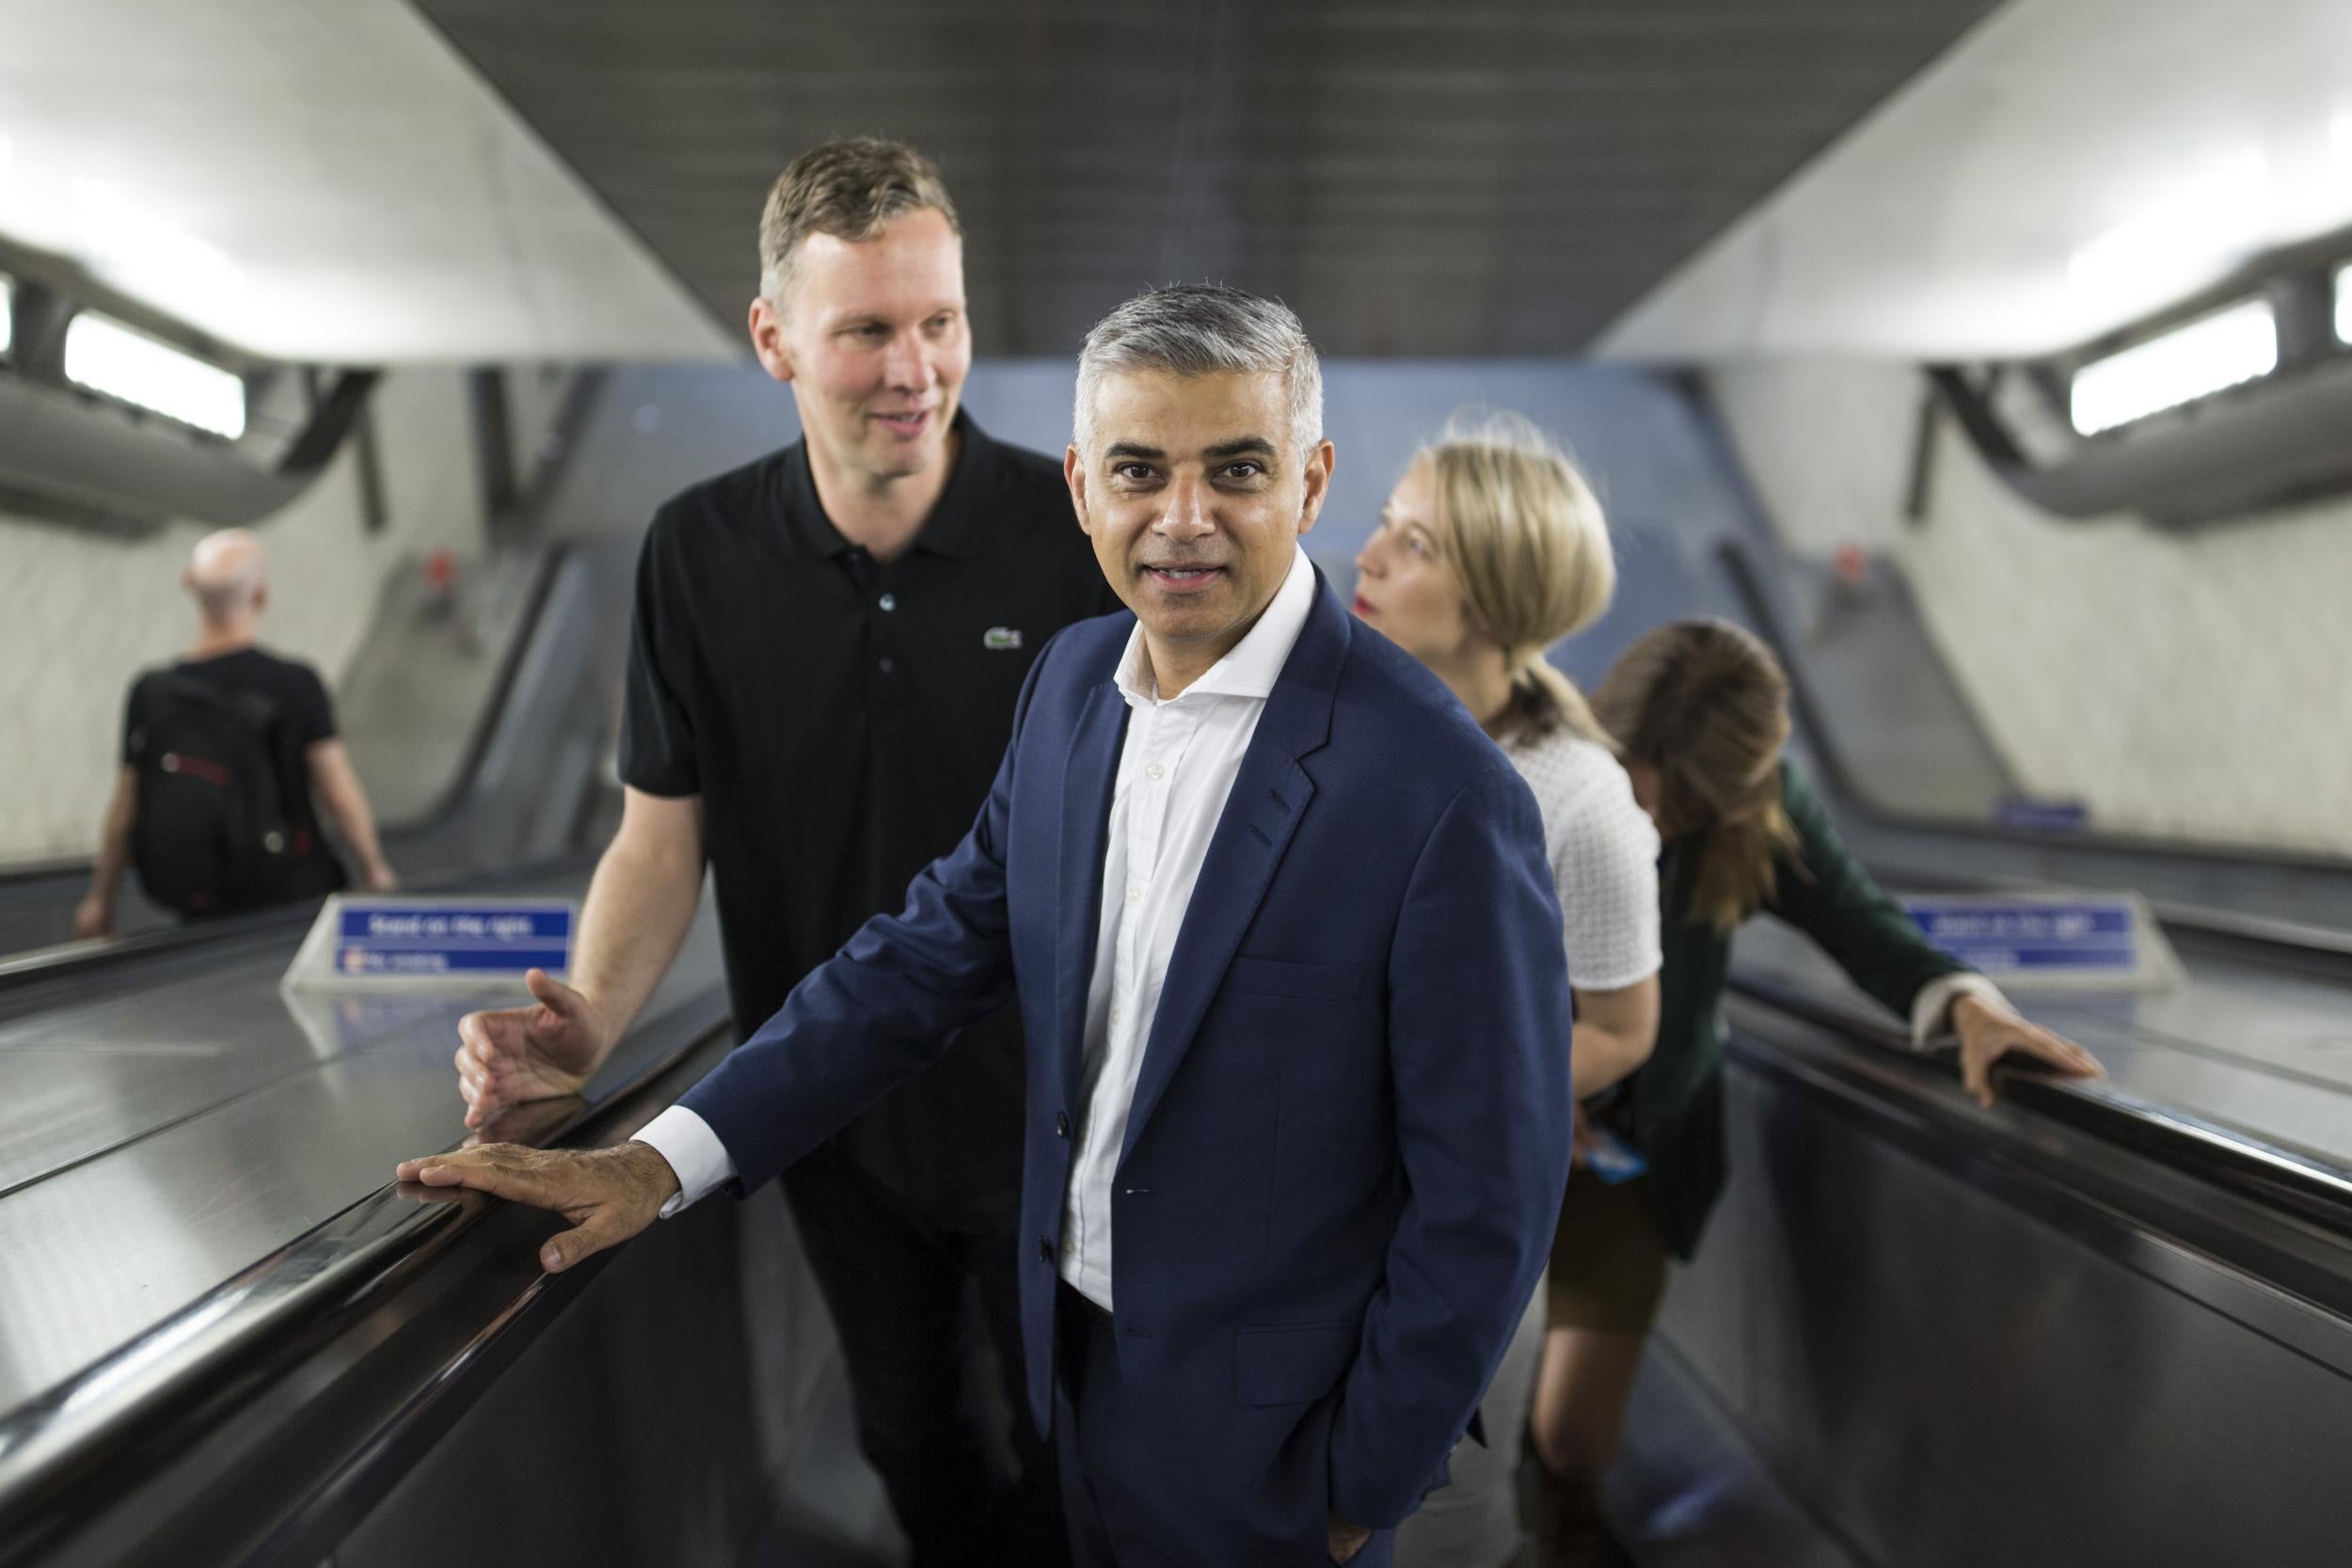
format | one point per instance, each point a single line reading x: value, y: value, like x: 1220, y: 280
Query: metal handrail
x: 110, y: 1425
x: 2298, y: 1181
x: 69, y: 961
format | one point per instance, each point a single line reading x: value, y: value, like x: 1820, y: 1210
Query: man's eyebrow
x: 1246, y: 446
x: 1134, y: 448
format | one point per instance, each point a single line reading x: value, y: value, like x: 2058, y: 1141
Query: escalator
x: 2103, y: 1322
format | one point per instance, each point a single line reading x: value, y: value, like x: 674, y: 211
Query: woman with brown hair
x: 1700, y: 713
x: 1493, y: 548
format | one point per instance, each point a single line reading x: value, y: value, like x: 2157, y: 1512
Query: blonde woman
x: 1490, y: 548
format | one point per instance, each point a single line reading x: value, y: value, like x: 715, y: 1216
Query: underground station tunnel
x: 911, y: 785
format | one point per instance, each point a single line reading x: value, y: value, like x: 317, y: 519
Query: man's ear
x: 1074, y: 473
x: 1319, y: 465
x: 767, y: 340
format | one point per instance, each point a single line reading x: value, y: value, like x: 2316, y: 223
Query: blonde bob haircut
x: 1525, y: 537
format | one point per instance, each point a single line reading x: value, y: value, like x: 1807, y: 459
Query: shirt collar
x: 1251, y: 666
x: 958, y: 522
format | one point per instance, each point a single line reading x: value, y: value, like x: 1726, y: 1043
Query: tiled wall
x: 2195, y: 685
x: 81, y: 613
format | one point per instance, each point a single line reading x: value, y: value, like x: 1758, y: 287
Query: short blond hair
x: 1528, y: 543
x: 851, y: 189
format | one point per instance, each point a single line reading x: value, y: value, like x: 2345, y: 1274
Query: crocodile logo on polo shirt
x: 1001, y: 638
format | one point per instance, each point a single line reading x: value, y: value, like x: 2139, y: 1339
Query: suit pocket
x: 1292, y: 1366
x: 1274, y: 977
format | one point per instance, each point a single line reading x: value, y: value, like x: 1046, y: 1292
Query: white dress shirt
x: 1178, y: 764
x: 1175, y: 770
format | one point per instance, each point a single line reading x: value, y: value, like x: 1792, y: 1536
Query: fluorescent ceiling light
x: 107, y: 357
x: 2343, y: 303
x: 2180, y: 366
x: 8, y: 313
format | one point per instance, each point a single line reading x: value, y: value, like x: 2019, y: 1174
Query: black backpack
x: 217, y: 828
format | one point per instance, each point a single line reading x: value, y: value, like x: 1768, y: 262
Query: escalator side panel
x: 1950, y: 1379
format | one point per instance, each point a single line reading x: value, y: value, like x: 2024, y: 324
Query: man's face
x: 873, y: 340
x: 1194, y: 494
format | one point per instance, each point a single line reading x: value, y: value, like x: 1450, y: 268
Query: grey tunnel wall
x: 1659, y: 470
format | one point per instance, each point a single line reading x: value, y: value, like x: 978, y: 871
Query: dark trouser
x: 895, y: 1281
x: 1113, y: 1483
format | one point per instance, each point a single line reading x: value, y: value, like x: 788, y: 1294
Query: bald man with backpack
x: 228, y: 755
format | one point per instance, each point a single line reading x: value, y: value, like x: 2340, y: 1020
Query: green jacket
x: 1673, y: 1107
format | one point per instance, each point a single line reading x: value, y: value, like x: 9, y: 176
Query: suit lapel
x: 1270, y: 795
x: 1088, y: 775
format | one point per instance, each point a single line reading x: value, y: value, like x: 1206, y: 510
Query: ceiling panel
x: 1416, y: 179
x: 313, y: 182
x: 2072, y: 166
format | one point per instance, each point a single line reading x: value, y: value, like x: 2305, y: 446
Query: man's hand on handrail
x: 608, y: 1194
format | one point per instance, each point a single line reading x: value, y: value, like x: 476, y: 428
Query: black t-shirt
x: 842, y: 721
x: 303, y: 714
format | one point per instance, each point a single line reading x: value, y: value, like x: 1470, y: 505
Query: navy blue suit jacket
x: 1351, y: 1131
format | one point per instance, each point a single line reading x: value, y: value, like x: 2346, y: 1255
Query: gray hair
x: 1204, y: 329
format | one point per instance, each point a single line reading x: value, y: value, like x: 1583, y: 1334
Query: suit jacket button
x: 1061, y: 1124
x: 1045, y: 1249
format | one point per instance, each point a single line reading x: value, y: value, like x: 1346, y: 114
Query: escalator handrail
x: 553, y: 563
x: 2300, y: 1181
x: 78, y: 959
x: 108, y: 1426
x: 67, y: 868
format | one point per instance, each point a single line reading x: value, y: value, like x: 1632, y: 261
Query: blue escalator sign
x: 426, y: 937
x: 2025, y: 936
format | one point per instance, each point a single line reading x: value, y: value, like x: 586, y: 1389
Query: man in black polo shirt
x: 825, y: 654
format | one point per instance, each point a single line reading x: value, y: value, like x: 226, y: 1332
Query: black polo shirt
x: 842, y: 721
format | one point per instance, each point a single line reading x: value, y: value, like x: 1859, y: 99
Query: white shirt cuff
x: 1931, y: 1009
x: 697, y: 1156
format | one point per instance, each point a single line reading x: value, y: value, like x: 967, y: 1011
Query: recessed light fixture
x: 107, y: 357
x: 2180, y: 366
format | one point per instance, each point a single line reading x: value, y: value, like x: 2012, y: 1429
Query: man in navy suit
x: 1287, y: 955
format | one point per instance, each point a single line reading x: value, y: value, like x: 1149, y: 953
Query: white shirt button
x: 1155, y: 771
x: 888, y: 602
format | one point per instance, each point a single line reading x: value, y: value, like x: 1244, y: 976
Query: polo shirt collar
x: 1251, y: 666
x: 958, y: 522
